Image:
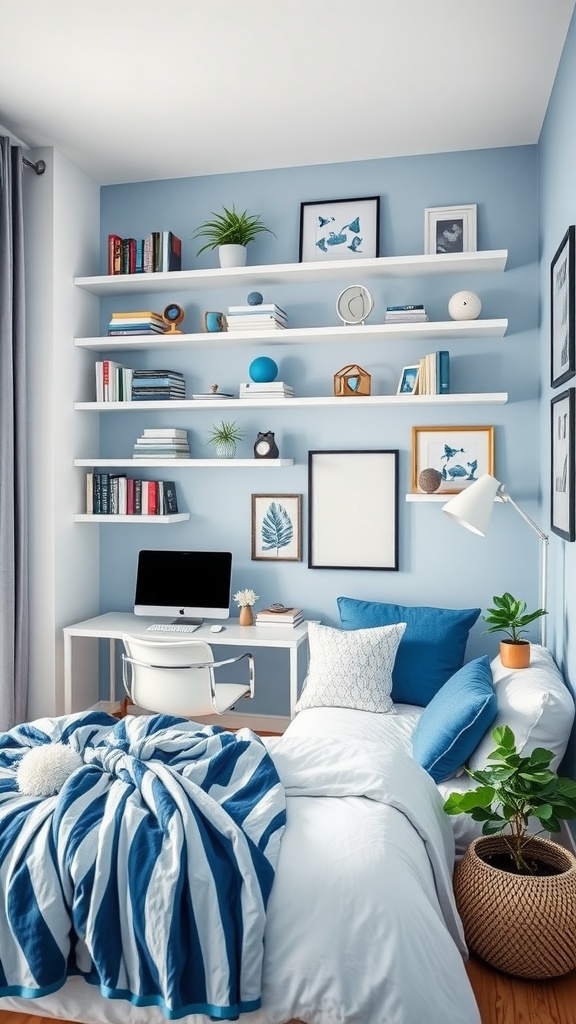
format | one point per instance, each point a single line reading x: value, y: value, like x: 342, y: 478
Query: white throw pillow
x: 537, y: 705
x: 351, y: 668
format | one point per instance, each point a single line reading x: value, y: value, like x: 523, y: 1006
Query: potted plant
x: 230, y: 232
x: 245, y: 599
x: 224, y: 436
x: 515, y: 891
x: 509, y: 616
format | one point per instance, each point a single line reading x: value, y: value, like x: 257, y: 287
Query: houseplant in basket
x: 515, y: 891
x: 230, y: 232
x: 509, y: 616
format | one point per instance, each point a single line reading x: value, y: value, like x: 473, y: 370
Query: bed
x: 360, y: 926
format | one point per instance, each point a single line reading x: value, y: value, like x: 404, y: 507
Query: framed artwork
x: 460, y: 454
x: 339, y: 229
x: 277, y: 527
x: 562, y: 465
x: 450, y: 229
x: 408, y: 382
x: 562, y: 311
x: 353, y: 510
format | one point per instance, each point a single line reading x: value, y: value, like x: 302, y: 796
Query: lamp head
x: 473, y: 507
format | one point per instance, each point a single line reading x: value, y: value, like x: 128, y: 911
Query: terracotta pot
x: 515, y: 653
x: 246, y: 617
x: 523, y: 925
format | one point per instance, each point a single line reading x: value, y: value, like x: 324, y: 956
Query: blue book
x: 443, y: 372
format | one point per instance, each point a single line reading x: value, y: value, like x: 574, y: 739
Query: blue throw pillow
x: 452, y: 725
x: 432, y: 648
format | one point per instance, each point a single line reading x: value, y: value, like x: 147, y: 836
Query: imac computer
x: 185, y: 585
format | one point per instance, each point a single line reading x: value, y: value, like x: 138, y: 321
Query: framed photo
x: 562, y: 465
x: 339, y: 229
x: 408, y: 383
x: 353, y: 510
x: 277, y: 527
x: 562, y: 311
x: 450, y: 229
x: 460, y: 454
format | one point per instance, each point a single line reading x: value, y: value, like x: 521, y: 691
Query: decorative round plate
x: 354, y: 304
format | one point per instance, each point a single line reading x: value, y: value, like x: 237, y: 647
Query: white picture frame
x: 450, y: 229
x: 408, y: 383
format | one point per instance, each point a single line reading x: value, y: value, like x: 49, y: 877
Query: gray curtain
x: 14, y: 625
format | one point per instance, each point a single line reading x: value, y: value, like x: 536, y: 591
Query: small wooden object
x: 352, y: 380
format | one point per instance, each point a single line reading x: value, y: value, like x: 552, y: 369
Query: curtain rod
x: 39, y: 166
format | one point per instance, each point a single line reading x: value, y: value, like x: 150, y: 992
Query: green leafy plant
x: 514, y: 789
x: 230, y: 228
x: 509, y: 616
x: 225, y: 432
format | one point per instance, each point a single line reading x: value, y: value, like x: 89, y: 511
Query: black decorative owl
x: 265, y: 446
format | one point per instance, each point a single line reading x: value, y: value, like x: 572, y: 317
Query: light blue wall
x: 439, y: 563
x: 557, y: 201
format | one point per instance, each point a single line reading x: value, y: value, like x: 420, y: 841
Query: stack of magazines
x: 274, y: 389
x: 278, y: 616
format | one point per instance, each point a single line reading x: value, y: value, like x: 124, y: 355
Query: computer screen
x: 188, y: 585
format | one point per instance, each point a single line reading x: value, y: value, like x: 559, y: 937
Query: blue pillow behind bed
x: 431, y: 650
x: 452, y: 725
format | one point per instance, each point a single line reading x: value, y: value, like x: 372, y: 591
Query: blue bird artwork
x: 355, y: 243
x: 449, y: 452
x: 323, y: 221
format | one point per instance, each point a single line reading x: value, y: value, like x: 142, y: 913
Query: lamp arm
x: 506, y: 497
x: 544, y: 566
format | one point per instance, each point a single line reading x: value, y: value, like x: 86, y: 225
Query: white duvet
x: 362, y: 926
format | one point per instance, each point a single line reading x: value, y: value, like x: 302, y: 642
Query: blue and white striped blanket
x: 149, y: 872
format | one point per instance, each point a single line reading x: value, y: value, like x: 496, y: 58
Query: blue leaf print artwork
x: 277, y: 528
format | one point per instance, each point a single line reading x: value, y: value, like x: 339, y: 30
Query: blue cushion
x: 452, y: 725
x: 432, y: 648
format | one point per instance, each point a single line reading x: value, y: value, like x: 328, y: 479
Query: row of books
x: 118, y: 494
x: 265, y: 317
x: 406, y: 314
x: 273, y: 617
x: 274, y: 389
x: 117, y: 383
x: 137, y: 322
x: 434, y: 374
x: 158, y: 444
x: 160, y: 251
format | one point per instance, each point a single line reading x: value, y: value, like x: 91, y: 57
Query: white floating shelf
x: 443, y: 496
x: 484, y: 398
x: 189, y: 463
x: 450, y: 330
x: 173, y: 517
x: 489, y: 261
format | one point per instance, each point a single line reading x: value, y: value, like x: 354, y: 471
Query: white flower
x: 244, y: 597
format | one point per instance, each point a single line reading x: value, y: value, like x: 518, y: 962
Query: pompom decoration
x: 44, y: 770
x: 429, y: 480
x: 464, y: 306
x: 263, y: 370
x: 254, y: 299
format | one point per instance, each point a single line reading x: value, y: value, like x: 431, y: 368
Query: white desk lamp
x: 473, y: 508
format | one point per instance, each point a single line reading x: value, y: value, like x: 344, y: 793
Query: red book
x: 130, y: 496
x: 152, y: 497
x: 114, y: 254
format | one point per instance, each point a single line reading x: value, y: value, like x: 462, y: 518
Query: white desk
x: 112, y: 625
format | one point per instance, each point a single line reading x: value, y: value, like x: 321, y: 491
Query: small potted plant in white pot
x: 509, y: 616
x: 224, y: 436
x: 230, y: 232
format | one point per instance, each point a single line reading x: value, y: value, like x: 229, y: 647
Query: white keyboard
x: 173, y: 627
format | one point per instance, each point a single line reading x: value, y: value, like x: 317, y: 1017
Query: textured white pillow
x: 351, y: 668
x: 537, y: 705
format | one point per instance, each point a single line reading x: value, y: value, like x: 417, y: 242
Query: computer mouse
x: 216, y: 629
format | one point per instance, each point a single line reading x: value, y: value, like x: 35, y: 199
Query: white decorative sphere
x: 464, y: 306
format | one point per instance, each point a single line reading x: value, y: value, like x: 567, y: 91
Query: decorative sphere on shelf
x: 464, y: 306
x: 263, y: 370
x: 254, y: 299
x: 429, y: 480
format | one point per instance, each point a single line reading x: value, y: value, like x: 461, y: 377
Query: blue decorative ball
x: 263, y: 370
x: 254, y: 299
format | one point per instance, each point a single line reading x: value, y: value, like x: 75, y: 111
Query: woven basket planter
x: 524, y: 925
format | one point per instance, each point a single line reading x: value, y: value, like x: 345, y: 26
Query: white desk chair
x: 176, y: 677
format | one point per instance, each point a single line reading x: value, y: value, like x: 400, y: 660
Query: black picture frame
x: 353, y: 509
x: 339, y: 229
x: 562, y: 418
x: 562, y: 353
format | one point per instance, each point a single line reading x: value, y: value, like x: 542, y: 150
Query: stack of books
x: 407, y: 314
x: 274, y: 389
x: 139, y: 322
x: 154, y: 385
x: 113, y: 381
x: 287, y: 617
x: 160, y: 251
x: 434, y: 374
x: 267, y: 317
x: 162, y: 443
x: 117, y: 494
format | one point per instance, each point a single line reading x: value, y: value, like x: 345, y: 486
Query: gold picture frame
x: 460, y: 454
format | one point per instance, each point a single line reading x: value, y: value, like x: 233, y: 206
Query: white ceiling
x: 135, y: 90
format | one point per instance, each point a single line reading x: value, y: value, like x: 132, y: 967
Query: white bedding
x: 362, y: 926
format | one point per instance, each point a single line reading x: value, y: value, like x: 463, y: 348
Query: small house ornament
x: 352, y: 380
